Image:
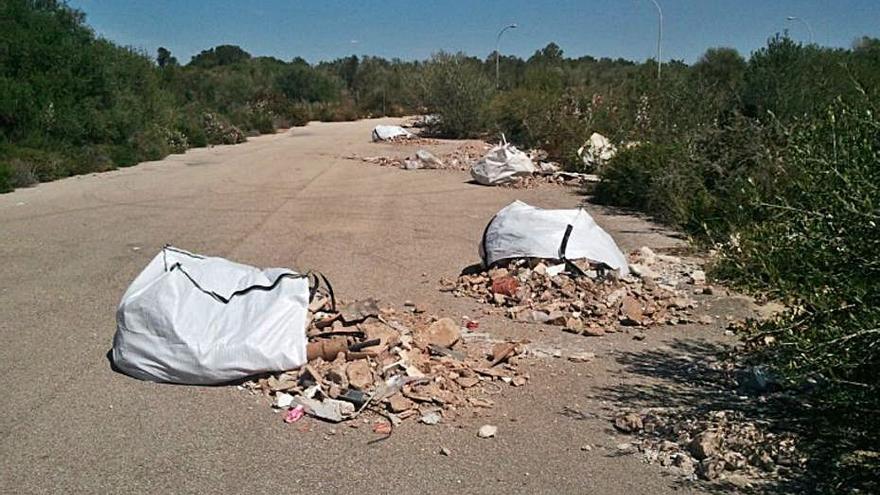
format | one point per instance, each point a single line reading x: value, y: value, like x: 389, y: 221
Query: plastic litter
x: 487, y: 431
x: 294, y: 414
x: 422, y: 159
x: 283, y: 400
x: 597, y: 150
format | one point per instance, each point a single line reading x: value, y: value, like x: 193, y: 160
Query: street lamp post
x: 805, y: 23
x: 498, y: 54
x: 659, y: 38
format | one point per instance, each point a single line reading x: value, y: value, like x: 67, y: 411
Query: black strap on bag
x: 574, y: 269
x: 315, y: 279
x: 239, y: 292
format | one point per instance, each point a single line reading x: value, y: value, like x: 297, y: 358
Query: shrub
x: 123, y: 155
x: 219, y: 131
x: 28, y: 166
x: 536, y: 119
x: 456, y: 89
x: 6, y: 183
x: 91, y: 158
x: 658, y: 178
x: 335, y: 112
x: 816, y: 246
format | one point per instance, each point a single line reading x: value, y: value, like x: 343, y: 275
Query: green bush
x: 6, y: 184
x: 816, y: 246
x: 456, y: 89
x: 123, y: 155
x: 218, y: 130
x: 91, y: 158
x: 335, y: 112
x: 28, y: 166
x: 535, y: 119
x: 657, y: 178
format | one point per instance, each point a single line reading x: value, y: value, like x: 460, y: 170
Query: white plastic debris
x: 504, y: 163
x: 597, y: 150
x: 422, y: 159
x: 329, y: 409
x: 487, y: 431
x: 523, y: 231
x: 200, y: 320
x: 283, y: 400
x: 388, y: 132
x: 555, y: 270
x: 548, y: 168
x: 431, y: 418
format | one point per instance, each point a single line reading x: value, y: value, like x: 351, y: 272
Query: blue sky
x: 326, y: 29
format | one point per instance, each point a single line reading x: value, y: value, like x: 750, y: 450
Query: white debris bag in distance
x: 422, y: 159
x: 597, y: 150
x: 523, y: 231
x: 388, y: 132
x: 200, y: 320
x: 502, y: 164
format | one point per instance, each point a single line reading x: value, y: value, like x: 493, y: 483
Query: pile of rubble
x: 462, y: 157
x: 583, y: 298
x: 717, y: 445
x: 414, y: 140
x: 364, y: 359
x: 558, y: 177
x: 458, y: 159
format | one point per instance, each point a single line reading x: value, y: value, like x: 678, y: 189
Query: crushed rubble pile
x: 459, y: 159
x: 583, y: 298
x: 464, y: 156
x: 364, y: 359
x: 558, y: 177
x: 414, y: 140
x: 717, y: 445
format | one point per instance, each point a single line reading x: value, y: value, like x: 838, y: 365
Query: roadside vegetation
x: 772, y: 161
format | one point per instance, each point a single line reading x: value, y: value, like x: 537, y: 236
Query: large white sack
x: 523, y: 231
x: 200, y: 320
x: 386, y: 132
x: 502, y: 164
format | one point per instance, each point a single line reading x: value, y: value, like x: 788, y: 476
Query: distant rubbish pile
x: 458, y: 159
x: 501, y: 165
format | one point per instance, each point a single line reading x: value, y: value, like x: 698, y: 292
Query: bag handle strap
x: 315, y: 281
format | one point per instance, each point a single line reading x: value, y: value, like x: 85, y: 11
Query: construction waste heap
x: 582, y: 297
x: 407, y: 365
x: 501, y: 165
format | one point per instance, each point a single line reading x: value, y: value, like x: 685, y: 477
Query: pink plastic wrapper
x: 294, y: 414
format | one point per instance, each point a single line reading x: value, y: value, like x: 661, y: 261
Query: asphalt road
x: 68, y: 249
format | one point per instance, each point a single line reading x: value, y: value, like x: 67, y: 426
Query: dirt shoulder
x: 71, y: 247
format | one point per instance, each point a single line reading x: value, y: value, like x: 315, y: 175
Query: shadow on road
x: 692, y: 379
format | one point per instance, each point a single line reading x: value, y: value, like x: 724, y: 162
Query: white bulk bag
x: 523, y: 231
x: 386, y: 132
x: 199, y: 320
x: 502, y: 164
